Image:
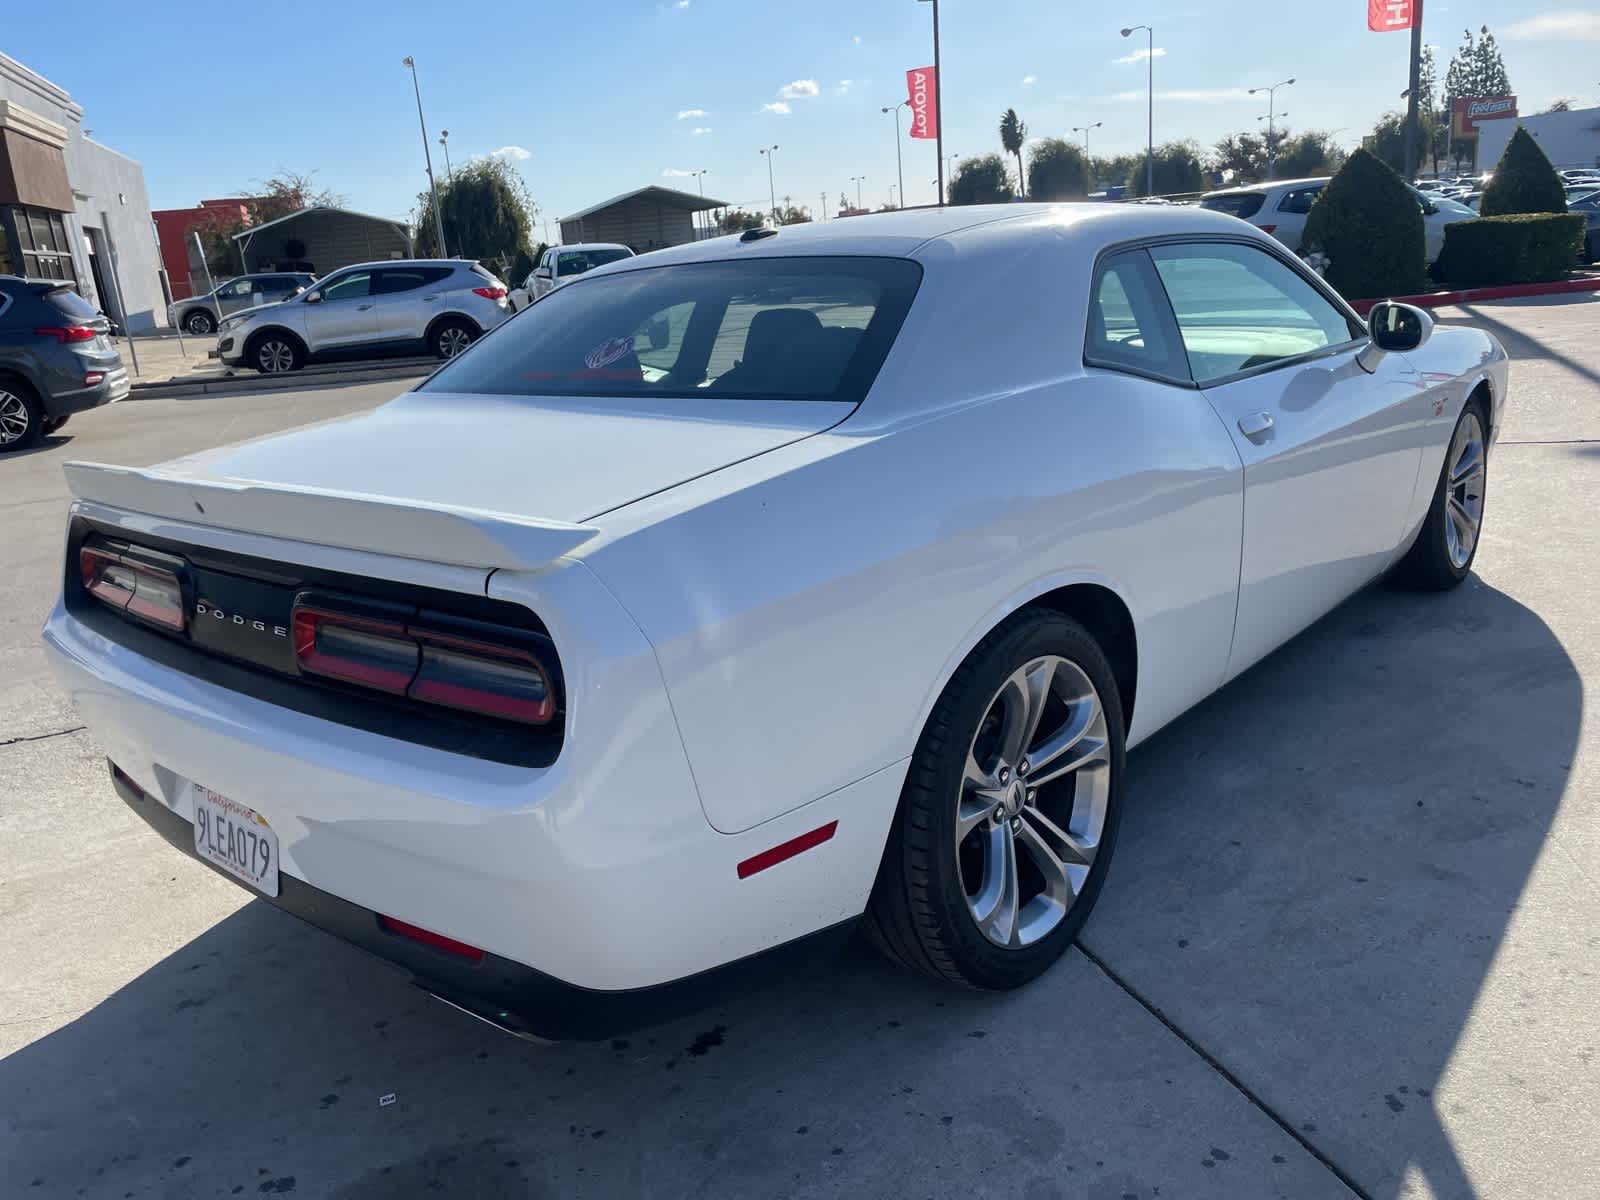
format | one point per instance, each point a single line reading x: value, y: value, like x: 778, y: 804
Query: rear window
x: 576, y: 262
x: 71, y: 305
x: 764, y: 329
x: 1243, y: 205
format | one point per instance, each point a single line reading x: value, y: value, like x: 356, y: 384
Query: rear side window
x: 762, y: 329
x: 406, y: 279
x: 576, y: 262
x: 1300, y: 200
x: 1243, y: 205
x: 1130, y: 325
x: 71, y: 305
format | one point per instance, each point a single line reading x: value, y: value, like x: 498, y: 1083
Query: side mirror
x: 1398, y: 327
x: 314, y: 298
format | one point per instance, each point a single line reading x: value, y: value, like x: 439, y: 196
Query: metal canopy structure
x: 330, y: 238
x: 647, y: 219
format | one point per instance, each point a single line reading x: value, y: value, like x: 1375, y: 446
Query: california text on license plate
x: 236, y: 838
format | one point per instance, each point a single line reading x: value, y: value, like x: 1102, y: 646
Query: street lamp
x: 1150, y: 105
x: 1084, y: 129
x: 433, y: 187
x: 444, y: 140
x: 898, y: 169
x: 857, y: 180
x: 699, y: 178
x: 1272, y: 99
x: 772, y: 194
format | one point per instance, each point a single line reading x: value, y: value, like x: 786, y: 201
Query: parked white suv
x: 438, y: 305
x: 1281, y: 208
x: 563, y: 264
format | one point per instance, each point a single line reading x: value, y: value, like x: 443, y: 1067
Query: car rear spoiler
x: 466, y: 537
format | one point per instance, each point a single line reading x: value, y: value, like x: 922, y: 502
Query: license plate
x: 236, y: 838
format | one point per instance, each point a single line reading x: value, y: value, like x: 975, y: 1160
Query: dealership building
x: 1568, y: 139
x: 72, y: 209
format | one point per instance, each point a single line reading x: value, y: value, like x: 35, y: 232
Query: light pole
x: 772, y: 194
x: 1272, y: 99
x: 444, y: 140
x: 899, y: 171
x: 857, y: 180
x: 1150, y: 105
x: 892, y: 203
x: 1084, y: 129
x: 938, y: 99
x: 427, y: 155
x: 700, y: 178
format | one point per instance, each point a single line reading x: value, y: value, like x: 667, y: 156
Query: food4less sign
x: 1467, y: 111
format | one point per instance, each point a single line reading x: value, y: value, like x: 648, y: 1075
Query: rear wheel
x: 451, y: 337
x: 1009, y: 811
x: 200, y: 323
x: 274, y: 353
x: 21, y: 416
x: 1447, y: 543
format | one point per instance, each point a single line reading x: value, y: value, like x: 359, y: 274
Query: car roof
x: 901, y: 234
x: 1265, y: 187
x: 389, y: 262
x: 593, y: 246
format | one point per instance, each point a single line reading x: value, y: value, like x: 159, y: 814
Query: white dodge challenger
x: 743, y: 593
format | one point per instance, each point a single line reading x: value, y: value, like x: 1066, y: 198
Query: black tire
x: 451, y: 336
x: 1429, y: 565
x: 52, y: 424
x: 22, y: 418
x: 919, y: 913
x: 199, y: 322
x: 272, y: 352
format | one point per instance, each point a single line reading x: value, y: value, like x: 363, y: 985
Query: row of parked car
x: 278, y: 321
x: 56, y: 359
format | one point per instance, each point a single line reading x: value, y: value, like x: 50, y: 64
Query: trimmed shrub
x: 1369, y: 225
x: 1524, y: 181
x: 1057, y: 170
x: 1520, y: 248
x: 982, y: 180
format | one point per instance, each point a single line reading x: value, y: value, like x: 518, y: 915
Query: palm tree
x: 1012, y: 134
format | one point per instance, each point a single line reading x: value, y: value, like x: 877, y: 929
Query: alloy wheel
x: 453, y: 340
x: 275, y: 356
x: 1463, y: 491
x: 199, y: 324
x: 14, y: 418
x: 1033, y: 801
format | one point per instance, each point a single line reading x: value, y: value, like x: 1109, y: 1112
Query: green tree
x: 982, y: 179
x: 1057, y: 170
x: 1524, y: 181
x: 1368, y: 223
x: 1177, y: 171
x: 1013, y: 133
x: 1477, y: 68
x: 284, y: 193
x: 487, y: 212
x: 735, y: 220
x: 1562, y: 105
x: 1388, y: 140
x: 1114, y: 171
x: 792, y: 214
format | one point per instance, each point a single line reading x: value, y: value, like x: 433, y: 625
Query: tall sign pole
x: 938, y: 99
x: 1413, y: 123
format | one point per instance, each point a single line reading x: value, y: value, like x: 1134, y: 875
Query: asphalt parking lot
x: 1350, y: 945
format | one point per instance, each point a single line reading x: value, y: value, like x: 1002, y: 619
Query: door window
x: 1130, y: 325
x: 1240, y: 308
x: 349, y: 287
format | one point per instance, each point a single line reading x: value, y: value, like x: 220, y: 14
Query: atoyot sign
x: 1467, y: 111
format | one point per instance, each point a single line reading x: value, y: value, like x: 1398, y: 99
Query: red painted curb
x: 1510, y: 291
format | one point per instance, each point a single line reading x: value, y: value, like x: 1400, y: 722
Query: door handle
x: 362, y: 307
x: 435, y: 296
x: 1254, y: 425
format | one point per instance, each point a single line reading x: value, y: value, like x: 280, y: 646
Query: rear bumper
x: 115, y: 386
x: 507, y: 994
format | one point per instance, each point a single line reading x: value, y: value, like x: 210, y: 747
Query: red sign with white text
x: 1385, y: 16
x: 922, y: 89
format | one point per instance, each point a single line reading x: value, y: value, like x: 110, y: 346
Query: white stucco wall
x: 1568, y: 139
x: 110, y: 193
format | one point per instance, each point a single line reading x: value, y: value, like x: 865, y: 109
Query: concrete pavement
x: 1350, y: 944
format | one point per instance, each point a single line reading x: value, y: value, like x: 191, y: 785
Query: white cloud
x: 844, y: 86
x: 799, y: 89
x: 1028, y: 80
x: 681, y: 4
x: 1196, y: 95
x: 516, y: 152
x: 700, y: 129
x: 1566, y: 25
x: 685, y: 113
x: 1138, y: 56
x: 777, y: 106
x: 856, y: 40
x: 674, y: 173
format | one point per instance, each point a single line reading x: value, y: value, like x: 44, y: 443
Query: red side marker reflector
x: 786, y: 850
x: 437, y: 940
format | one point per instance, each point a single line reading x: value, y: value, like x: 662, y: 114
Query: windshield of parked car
x: 1236, y: 204
x: 762, y: 329
x: 576, y: 262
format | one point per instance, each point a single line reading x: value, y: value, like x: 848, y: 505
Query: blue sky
x: 591, y: 98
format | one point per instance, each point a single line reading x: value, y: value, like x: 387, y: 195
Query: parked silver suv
x: 438, y: 305
x: 200, y: 315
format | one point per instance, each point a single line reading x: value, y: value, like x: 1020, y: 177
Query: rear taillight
x: 490, y: 293
x: 1267, y: 228
x: 125, y: 581
x: 434, y: 659
x: 90, y: 378
x: 428, y: 938
x: 67, y: 333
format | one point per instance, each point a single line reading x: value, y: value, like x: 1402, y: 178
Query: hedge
x: 1522, y: 248
x: 1524, y: 181
x: 1369, y: 224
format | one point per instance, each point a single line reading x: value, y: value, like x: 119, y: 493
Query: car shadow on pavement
x: 1316, y: 870
x: 1521, y: 347
x: 45, y: 445
x: 1319, y: 864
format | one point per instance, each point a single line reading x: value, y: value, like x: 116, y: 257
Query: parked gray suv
x: 436, y: 305
x: 200, y: 315
x: 55, y: 359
